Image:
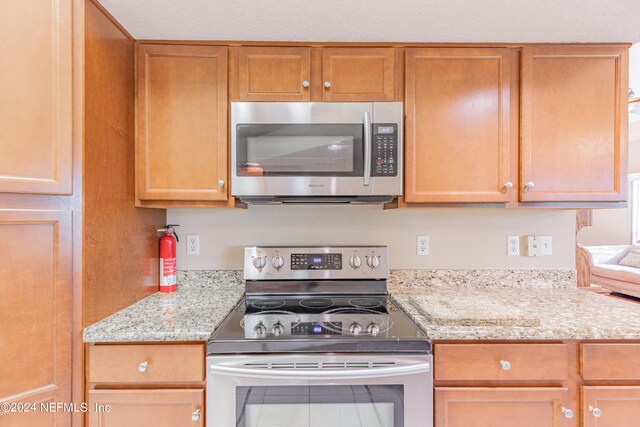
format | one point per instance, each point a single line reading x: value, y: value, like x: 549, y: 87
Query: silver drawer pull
x: 596, y: 412
x: 143, y: 366
x: 505, y: 365
x: 327, y: 84
x: 195, y: 416
x: 568, y: 413
x: 305, y: 83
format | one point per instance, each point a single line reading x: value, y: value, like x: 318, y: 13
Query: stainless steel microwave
x: 310, y: 152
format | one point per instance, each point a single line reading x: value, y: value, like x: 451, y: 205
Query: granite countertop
x: 190, y: 314
x: 447, y: 304
x: 523, y: 314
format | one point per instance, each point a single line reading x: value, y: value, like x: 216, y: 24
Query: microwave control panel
x: 384, y: 150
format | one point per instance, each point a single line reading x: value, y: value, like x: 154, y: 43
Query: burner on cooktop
x: 365, y: 302
x: 316, y: 303
x: 268, y: 304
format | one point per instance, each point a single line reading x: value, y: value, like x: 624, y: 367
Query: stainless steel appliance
x: 308, y: 152
x: 317, y: 342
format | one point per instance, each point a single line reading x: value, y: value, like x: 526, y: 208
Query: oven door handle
x: 320, y: 374
x: 367, y: 148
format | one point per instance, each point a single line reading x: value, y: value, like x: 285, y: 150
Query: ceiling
x: 517, y: 21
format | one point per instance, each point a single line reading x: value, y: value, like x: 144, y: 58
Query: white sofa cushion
x: 632, y: 259
x: 617, y: 272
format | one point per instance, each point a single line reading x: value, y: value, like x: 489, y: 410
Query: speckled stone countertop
x: 540, y: 314
x: 191, y: 313
x: 447, y: 304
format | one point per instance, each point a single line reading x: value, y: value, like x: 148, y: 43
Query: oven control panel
x: 332, y: 261
x: 384, y: 150
x: 309, y: 263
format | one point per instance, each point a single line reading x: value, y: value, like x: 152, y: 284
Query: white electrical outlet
x: 193, y: 244
x: 422, y: 245
x: 513, y: 245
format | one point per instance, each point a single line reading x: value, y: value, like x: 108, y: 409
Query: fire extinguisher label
x: 167, y: 271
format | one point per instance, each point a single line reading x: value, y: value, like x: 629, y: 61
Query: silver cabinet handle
x: 568, y: 413
x: 221, y: 183
x: 596, y: 412
x: 195, y: 416
x: 367, y: 147
x: 508, y: 185
x: 305, y: 83
x: 505, y: 365
x: 327, y: 84
x: 529, y: 185
x: 143, y: 366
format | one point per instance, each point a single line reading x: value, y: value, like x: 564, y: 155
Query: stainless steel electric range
x: 317, y: 342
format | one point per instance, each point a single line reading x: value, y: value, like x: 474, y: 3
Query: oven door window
x: 300, y: 150
x: 320, y: 406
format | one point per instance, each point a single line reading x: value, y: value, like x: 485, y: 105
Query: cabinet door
x: 457, y: 132
x: 614, y: 406
x: 181, y: 144
x: 358, y: 74
x: 502, y: 407
x: 35, y: 314
x: 574, y: 124
x: 147, y: 408
x: 35, y: 83
x: 274, y: 73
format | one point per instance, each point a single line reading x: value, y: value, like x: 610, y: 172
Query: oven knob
x: 355, y: 328
x: 278, y: 329
x: 373, y: 261
x: 373, y: 329
x: 260, y: 329
x: 277, y: 262
x: 355, y: 262
x: 259, y: 262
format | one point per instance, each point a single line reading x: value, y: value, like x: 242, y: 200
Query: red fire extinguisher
x: 168, y: 243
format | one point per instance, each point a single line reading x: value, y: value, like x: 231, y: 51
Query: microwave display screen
x: 300, y: 150
x: 385, y: 129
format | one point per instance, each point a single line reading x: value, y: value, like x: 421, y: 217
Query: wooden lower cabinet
x: 146, y: 408
x: 616, y: 406
x: 35, y: 314
x: 501, y: 407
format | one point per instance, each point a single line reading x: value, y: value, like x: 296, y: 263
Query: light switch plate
x: 539, y: 245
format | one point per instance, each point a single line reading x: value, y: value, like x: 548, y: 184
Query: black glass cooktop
x: 324, y: 323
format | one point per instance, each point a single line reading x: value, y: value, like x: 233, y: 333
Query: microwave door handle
x: 367, y: 148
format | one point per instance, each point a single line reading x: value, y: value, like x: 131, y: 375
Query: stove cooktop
x: 326, y: 323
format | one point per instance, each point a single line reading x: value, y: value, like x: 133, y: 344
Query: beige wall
x: 460, y: 238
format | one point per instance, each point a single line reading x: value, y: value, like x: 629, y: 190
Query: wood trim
x: 111, y: 18
x: 373, y: 44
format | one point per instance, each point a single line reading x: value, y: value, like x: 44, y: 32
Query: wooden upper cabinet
x: 493, y: 407
x: 35, y: 83
x: 614, y: 406
x: 35, y: 314
x: 574, y: 124
x: 358, y: 74
x: 457, y: 125
x: 181, y: 144
x: 274, y: 73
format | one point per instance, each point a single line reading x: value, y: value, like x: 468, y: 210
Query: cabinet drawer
x: 610, y: 361
x: 146, y: 363
x: 505, y: 362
